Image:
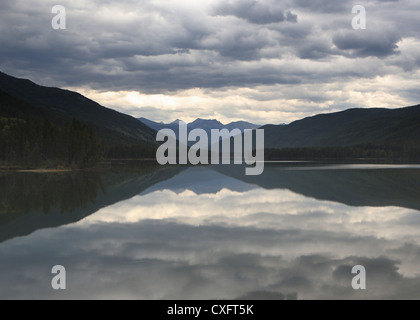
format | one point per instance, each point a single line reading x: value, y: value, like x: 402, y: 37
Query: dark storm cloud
x: 240, y: 43
x: 158, y: 48
x: 365, y: 44
x: 254, y: 11
x: 325, y: 6
x: 91, y: 48
x: 314, y: 50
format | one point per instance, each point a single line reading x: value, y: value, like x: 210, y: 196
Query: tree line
x: 35, y: 144
x: 390, y: 152
x: 44, y: 144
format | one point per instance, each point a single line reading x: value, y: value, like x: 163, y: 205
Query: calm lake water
x: 294, y: 232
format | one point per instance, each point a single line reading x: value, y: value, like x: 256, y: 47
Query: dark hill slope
x: 24, y: 99
x: 348, y: 128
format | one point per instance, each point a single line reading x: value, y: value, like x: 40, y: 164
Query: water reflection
x: 210, y: 233
x: 354, y: 185
x: 32, y: 201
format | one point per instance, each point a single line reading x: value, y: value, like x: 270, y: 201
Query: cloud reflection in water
x: 254, y: 243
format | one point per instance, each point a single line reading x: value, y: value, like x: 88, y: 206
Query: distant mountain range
x: 348, y: 128
x: 353, y: 127
x: 21, y: 98
x: 206, y: 125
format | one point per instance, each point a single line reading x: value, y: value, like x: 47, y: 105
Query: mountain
x: 155, y: 125
x: 241, y: 125
x: 160, y: 125
x: 21, y: 98
x: 348, y: 128
x: 204, y: 124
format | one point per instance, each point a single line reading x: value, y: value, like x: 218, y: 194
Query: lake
x: 211, y: 232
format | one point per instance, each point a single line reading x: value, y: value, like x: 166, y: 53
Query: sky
x: 262, y: 61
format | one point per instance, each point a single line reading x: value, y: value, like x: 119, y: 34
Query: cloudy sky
x: 264, y: 61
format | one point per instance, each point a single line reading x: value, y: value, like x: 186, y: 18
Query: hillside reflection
x: 210, y: 233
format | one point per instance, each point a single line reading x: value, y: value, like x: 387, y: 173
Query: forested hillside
x: 32, y: 143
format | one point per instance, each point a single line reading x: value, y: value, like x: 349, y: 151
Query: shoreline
x: 129, y: 163
x: 44, y: 170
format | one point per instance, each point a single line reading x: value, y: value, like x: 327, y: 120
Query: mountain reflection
x: 21, y: 193
x: 354, y: 185
x: 213, y: 233
x: 32, y: 201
